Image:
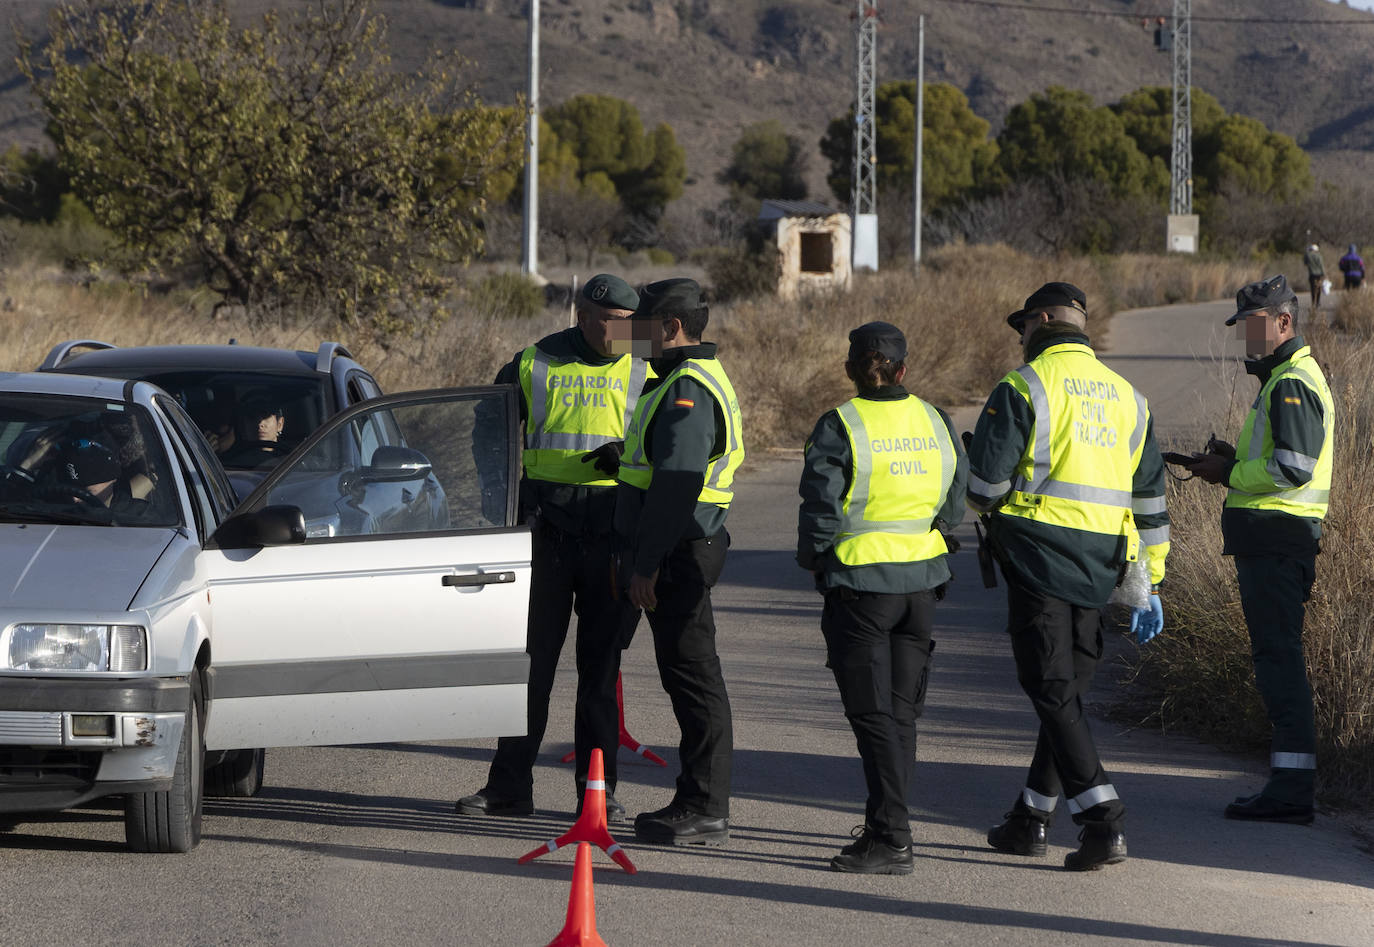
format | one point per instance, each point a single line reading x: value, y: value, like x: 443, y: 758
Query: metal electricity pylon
x: 1181, y: 163
x: 865, y: 229
x: 865, y: 121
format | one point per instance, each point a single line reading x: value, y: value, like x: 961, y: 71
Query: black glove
x: 606, y: 458
x: 967, y: 438
x: 952, y: 544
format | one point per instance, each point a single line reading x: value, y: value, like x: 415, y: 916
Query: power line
x: 1140, y: 15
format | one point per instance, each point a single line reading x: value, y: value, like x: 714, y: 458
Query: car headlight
x: 52, y: 647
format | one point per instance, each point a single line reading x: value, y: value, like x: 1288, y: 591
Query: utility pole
x: 1182, y: 230
x: 920, y: 129
x: 865, y: 228
x: 529, y: 260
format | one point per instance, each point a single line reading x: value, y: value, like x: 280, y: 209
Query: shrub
x: 508, y: 295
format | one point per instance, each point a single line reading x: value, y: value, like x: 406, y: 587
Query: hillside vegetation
x: 713, y: 67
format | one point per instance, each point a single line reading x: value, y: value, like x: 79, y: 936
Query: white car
x: 146, y: 622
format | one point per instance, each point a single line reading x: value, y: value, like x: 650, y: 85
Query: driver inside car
x: 82, y: 472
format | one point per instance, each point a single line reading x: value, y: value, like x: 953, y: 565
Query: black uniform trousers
x: 1272, y: 592
x: 685, y: 647
x: 568, y: 572
x: 878, y: 647
x: 1057, y: 646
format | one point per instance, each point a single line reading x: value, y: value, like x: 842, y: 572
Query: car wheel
x: 169, y: 821
x: 239, y: 776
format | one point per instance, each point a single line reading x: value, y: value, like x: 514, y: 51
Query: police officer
x: 1064, y: 459
x: 884, y: 477
x: 682, y: 449
x: 576, y: 400
x: 1278, y: 480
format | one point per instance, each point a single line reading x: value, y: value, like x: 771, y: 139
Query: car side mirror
x: 393, y: 464
x: 269, y: 526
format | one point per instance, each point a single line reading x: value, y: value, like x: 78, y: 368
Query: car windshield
x: 251, y: 419
x: 82, y: 461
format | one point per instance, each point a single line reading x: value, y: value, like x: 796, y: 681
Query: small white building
x: 813, y: 243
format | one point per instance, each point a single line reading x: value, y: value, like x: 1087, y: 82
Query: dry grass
x: 1198, y: 676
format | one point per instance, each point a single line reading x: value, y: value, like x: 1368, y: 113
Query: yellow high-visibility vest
x: 1257, y: 440
x: 904, y: 463
x: 1078, y: 467
x: 572, y: 408
x: 635, y: 467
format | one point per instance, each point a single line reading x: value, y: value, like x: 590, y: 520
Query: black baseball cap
x: 86, y: 461
x: 1051, y: 294
x: 1260, y: 295
x: 610, y: 292
x: 881, y: 337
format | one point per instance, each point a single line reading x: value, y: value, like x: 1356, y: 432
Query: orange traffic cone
x: 627, y: 741
x: 591, y: 825
x: 579, y: 930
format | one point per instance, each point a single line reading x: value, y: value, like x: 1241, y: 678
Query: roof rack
x: 62, y: 350
x: 327, y: 353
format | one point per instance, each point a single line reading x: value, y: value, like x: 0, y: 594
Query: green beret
x: 610, y: 292
x: 669, y: 298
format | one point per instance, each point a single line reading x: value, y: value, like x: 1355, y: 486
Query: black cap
x: 1261, y: 295
x: 610, y: 292
x: 1051, y: 294
x: 669, y: 298
x: 85, y: 461
x: 881, y: 337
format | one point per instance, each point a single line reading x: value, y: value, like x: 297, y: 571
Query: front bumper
x: 63, y: 742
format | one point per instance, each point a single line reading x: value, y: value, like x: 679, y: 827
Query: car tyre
x: 169, y: 820
x: 240, y: 776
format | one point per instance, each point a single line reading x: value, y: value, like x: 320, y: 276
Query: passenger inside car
x: 258, y: 427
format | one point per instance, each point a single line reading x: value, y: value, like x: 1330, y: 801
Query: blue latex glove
x: 1147, y: 620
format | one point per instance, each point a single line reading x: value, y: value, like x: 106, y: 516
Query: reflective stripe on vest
x: 1089, y: 430
x: 573, y: 408
x: 635, y: 467
x: 871, y: 529
x: 1257, y: 441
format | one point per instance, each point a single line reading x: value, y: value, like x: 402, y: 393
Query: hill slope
x: 711, y: 67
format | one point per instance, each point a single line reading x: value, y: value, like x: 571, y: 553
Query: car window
x: 219, y: 494
x: 83, y: 461
x: 361, y: 387
x: 453, y: 469
x: 251, y: 419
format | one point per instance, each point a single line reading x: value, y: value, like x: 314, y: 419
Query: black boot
x: 868, y: 854
x: 1020, y: 834
x: 674, y: 825
x: 487, y: 802
x: 1262, y: 808
x: 1101, y: 845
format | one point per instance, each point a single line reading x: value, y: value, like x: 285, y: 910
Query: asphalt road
x: 361, y: 845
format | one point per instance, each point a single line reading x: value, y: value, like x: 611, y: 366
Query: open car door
x: 393, y: 605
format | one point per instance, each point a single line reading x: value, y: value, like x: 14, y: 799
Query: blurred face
x: 647, y: 338
x: 1263, y: 332
x: 602, y: 328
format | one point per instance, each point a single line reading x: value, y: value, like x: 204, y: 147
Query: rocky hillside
x: 711, y: 67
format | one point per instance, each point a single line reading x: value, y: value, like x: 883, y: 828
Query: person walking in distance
x: 682, y: 449
x: 1316, y: 274
x: 1064, y: 461
x: 1352, y: 266
x: 883, y: 479
x: 1278, y: 485
x: 575, y: 400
